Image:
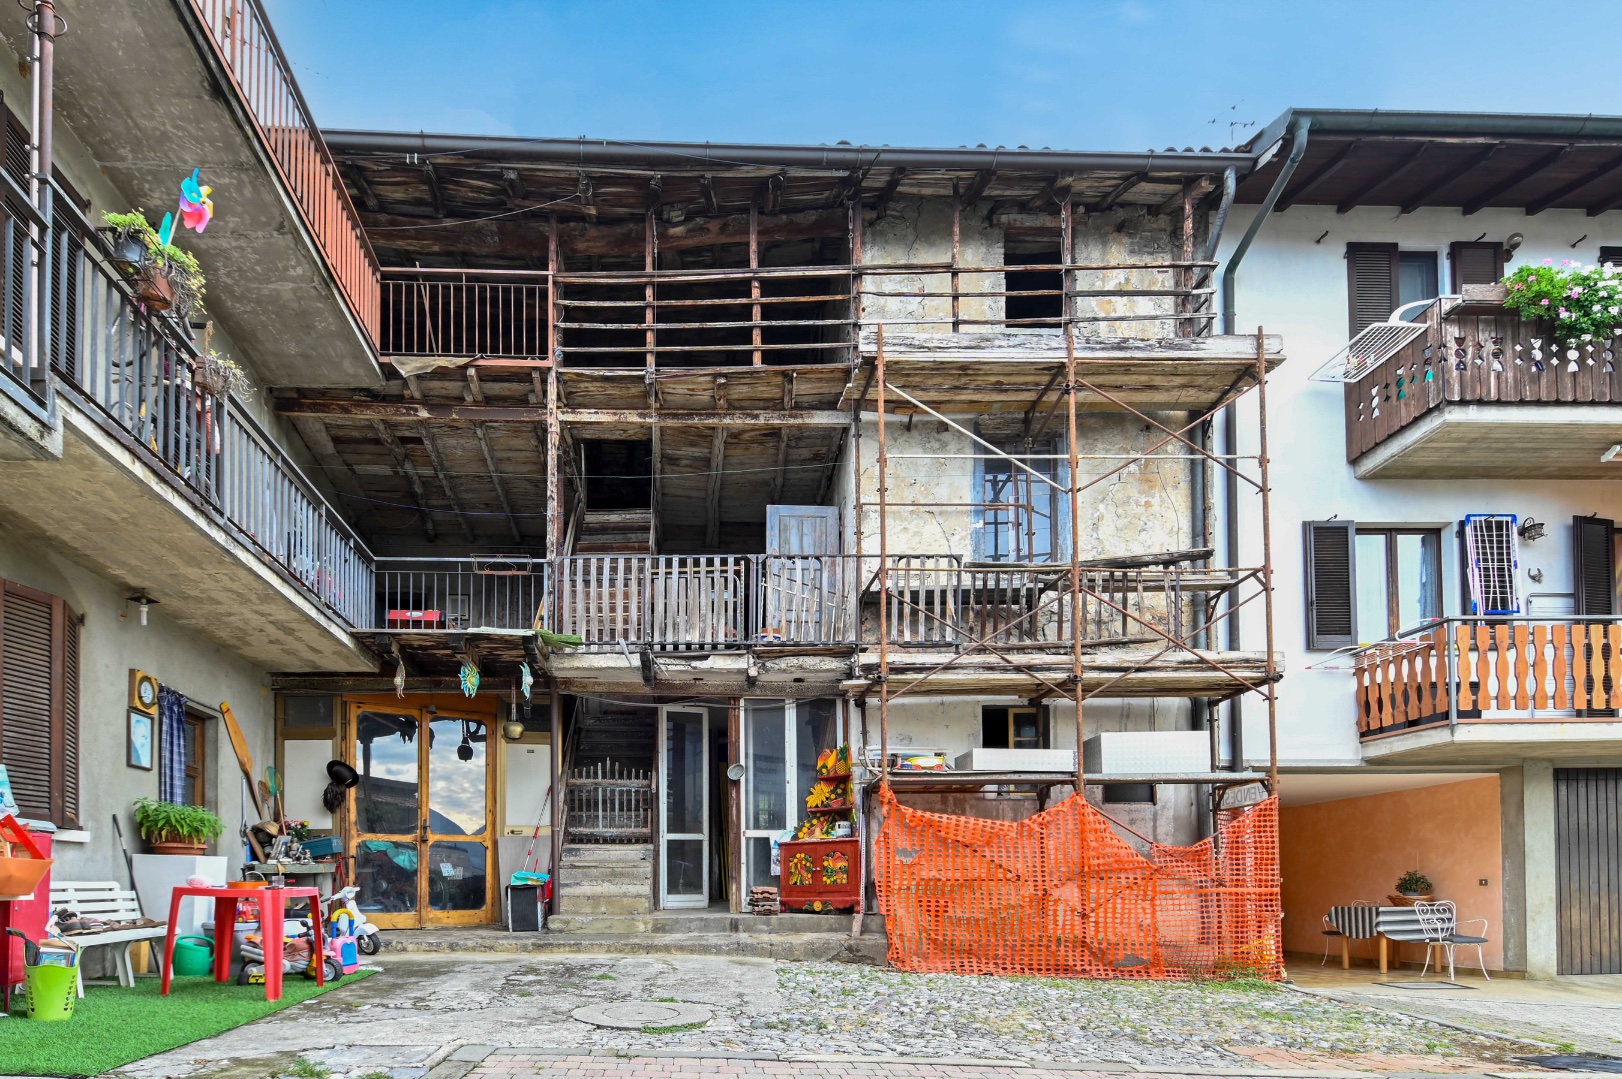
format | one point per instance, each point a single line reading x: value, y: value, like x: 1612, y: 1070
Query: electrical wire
x: 468, y: 220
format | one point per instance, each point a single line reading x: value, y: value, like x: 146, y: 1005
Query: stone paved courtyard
x: 445, y: 1017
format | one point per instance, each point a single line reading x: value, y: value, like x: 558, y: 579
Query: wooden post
x: 554, y: 477
x: 1067, y: 255
x: 754, y: 281
x: 649, y: 255
x: 553, y: 291
x: 1185, y: 274
x: 957, y: 250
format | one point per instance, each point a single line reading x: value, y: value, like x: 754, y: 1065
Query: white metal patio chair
x: 1440, y: 921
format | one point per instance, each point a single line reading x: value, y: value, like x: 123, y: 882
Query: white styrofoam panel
x: 1147, y: 752
x: 1016, y: 760
x: 528, y: 772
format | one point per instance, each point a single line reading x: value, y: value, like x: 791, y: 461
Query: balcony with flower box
x: 1468, y: 387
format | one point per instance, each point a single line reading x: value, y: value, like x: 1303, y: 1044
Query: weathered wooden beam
x: 513, y: 182
x: 1115, y: 193
x: 516, y: 238
x: 1056, y: 191
x: 772, y: 194
x: 402, y: 411
x: 848, y: 187
x: 1325, y: 171
x: 1481, y: 201
x: 1593, y: 176
x: 1362, y: 195
x: 882, y: 204
x: 706, y: 187
x: 403, y: 462
x: 495, y: 478
x: 583, y: 192
x: 718, y: 453
x: 977, y: 187
x: 430, y: 178
x: 1610, y: 202
x: 1417, y: 199
x: 443, y: 473
x: 1027, y: 222
x: 1174, y: 205
x: 656, y: 192
x: 363, y: 188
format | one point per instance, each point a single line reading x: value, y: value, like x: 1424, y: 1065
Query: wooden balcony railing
x: 1459, y: 669
x: 798, y: 314
x: 134, y: 370
x: 1474, y: 351
x: 246, y: 46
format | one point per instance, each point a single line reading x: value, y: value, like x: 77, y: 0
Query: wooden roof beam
x: 706, y: 187
x: 514, y: 183
x: 977, y: 187
x: 1174, y: 205
x: 1328, y: 169
x: 1480, y: 202
x: 1611, y: 202
x: 1593, y: 176
x: 403, y: 462
x: 1053, y: 195
x: 449, y: 412
x: 1407, y: 165
x: 495, y: 478
x: 771, y: 197
x: 656, y: 192
x: 782, y: 442
x: 1116, y: 192
x: 443, y: 473
x: 588, y: 200
x: 363, y: 188
x: 718, y: 453
x: 882, y: 204
x: 431, y: 178
x: 1417, y: 199
x: 849, y: 187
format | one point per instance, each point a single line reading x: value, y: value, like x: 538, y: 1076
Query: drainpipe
x: 44, y: 23
x: 1230, y: 414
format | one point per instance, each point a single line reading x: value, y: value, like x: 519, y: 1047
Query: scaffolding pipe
x: 1075, y: 552
x: 1267, y: 560
x: 884, y: 571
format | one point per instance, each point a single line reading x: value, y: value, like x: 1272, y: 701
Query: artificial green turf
x: 112, y: 1026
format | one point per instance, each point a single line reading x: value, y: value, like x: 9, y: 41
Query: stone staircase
x: 605, y: 879
x: 615, y: 532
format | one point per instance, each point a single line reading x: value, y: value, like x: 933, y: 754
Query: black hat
x: 342, y: 774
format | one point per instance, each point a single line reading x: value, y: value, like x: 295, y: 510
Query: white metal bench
x: 106, y: 901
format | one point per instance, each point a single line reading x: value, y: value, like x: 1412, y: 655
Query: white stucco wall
x: 1293, y: 282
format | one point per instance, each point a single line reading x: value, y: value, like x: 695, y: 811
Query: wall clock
x: 143, y: 692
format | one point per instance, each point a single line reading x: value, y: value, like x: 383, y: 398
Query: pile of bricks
x: 764, y: 901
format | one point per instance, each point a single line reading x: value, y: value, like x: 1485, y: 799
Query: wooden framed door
x: 421, y: 818
x: 684, y: 807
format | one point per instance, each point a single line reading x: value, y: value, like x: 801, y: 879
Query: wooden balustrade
x: 1425, y: 374
x: 607, y: 802
x: 1461, y: 669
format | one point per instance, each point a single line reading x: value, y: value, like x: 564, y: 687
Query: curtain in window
x: 172, y: 746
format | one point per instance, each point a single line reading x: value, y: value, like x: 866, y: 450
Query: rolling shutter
x: 1476, y: 264
x: 1594, y: 564
x: 39, y: 702
x: 1371, y: 284
x: 1331, y: 576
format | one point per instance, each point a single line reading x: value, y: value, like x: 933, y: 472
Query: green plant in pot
x: 169, y: 828
x: 1414, y: 884
x: 165, y: 276
x: 216, y: 374
x: 131, y: 238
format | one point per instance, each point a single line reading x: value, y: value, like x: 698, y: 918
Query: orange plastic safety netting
x: 1061, y: 894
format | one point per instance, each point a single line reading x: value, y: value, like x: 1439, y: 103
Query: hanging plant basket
x: 213, y: 375
x: 127, y: 249
x: 187, y: 296
x: 154, y: 286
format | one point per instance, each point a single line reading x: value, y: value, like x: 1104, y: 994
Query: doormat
x: 1575, y: 1064
x: 1424, y: 985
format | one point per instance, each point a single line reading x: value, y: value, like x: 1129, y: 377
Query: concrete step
x: 710, y: 922
x: 606, y: 904
x: 580, y: 855
x: 614, y: 888
x: 800, y: 947
x: 614, y: 871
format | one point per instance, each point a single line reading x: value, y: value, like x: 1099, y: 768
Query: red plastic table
x: 272, y: 902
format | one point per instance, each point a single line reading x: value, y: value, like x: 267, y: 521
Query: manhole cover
x: 636, y: 1014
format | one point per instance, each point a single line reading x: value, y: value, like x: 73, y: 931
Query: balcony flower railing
x: 135, y: 371
x: 247, y: 48
x: 1464, y: 669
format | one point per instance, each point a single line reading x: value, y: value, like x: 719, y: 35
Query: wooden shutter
x: 1331, y: 577
x: 1476, y: 264
x: 1371, y: 284
x: 1593, y: 565
x: 1613, y: 255
x: 26, y: 748
x: 39, y: 702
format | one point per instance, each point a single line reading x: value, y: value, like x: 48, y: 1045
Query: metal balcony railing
x: 23, y: 349
x: 1463, y: 669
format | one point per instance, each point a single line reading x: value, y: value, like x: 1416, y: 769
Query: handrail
x: 246, y: 46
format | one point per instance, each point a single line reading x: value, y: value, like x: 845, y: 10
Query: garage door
x: 1588, y: 833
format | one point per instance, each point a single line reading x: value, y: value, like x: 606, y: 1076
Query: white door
x: 684, y: 813
x: 781, y: 741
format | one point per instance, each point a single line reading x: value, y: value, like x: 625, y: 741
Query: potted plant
x: 1579, y: 305
x: 185, y: 277
x: 215, y: 374
x: 164, y: 275
x: 131, y: 239
x: 1415, y: 885
x: 176, y: 829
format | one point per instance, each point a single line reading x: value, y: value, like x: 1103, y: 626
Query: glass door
x: 684, y: 779
x: 781, y: 742
x: 421, y: 815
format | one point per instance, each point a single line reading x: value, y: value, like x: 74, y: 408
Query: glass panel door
x: 458, y: 821
x: 388, y: 814
x: 684, y: 770
x: 781, y: 742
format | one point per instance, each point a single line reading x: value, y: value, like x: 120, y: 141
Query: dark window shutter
x: 1331, y: 576
x: 70, y: 716
x: 1595, y: 565
x: 1371, y: 284
x: 1476, y: 264
x: 25, y: 698
x: 1612, y: 255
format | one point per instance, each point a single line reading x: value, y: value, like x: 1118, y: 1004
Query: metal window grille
x: 1493, y: 558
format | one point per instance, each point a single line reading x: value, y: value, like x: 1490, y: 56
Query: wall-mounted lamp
x: 142, y: 603
x: 1513, y: 244
x: 1531, y: 529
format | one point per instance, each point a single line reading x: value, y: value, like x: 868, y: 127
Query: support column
x: 1540, y: 902
x: 555, y: 703
x: 1512, y: 875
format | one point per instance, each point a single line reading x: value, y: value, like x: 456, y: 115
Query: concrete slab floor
x: 1577, y: 1013
x: 508, y: 1017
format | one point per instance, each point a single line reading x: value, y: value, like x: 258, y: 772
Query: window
x: 1013, y: 728
x: 1035, y: 297
x: 1019, y: 514
x: 39, y: 702
x: 192, y: 785
x: 1611, y: 255
x: 1491, y: 559
x: 1398, y: 580
x: 1331, y: 578
x: 1417, y: 278
x: 1594, y: 561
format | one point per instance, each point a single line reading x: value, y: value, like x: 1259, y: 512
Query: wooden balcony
x: 1466, y: 398
x: 1487, y: 690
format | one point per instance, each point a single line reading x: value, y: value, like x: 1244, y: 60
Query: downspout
x: 44, y: 23
x: 1230, y: 414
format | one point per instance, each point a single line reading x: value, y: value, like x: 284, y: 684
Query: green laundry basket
x: 51, y: 992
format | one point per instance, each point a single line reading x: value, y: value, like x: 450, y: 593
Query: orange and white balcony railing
x: 1465, y: 669
x: 246, y: 46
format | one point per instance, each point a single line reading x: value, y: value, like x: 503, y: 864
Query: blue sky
x: 1089, y: 74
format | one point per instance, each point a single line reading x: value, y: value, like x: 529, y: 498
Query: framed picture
x: 141, y: 738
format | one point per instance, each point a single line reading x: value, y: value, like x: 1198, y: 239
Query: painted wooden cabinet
x: 821, y: 874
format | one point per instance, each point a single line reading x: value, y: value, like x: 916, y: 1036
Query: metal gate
x: 1588, y: 844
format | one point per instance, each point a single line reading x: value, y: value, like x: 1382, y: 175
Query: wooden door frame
x: 486, y: 709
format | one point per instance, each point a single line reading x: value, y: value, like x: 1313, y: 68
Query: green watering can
x: 194, y: 956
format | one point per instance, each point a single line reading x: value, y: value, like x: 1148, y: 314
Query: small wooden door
x: 802, y: 576
x: 421, y: 818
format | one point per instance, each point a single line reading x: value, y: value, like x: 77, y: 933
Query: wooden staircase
x: 615, y: 532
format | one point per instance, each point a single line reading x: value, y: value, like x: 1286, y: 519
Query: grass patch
x: 666, y: 1000
x: 679, y: 1028
x: 113, y: 1026
x: 605, y: 978
x: 305, y: 1069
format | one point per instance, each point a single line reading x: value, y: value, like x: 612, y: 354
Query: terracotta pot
x: 176, y: 847
x: 211, y: 378
x: 153, y: 288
